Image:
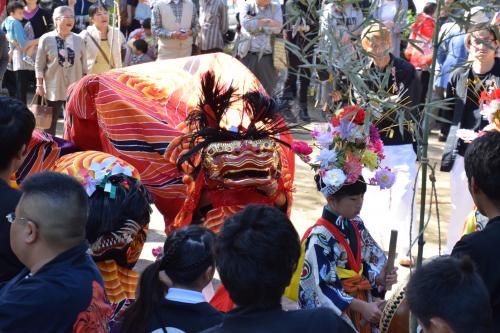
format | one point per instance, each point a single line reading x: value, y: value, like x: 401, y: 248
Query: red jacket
x: 421, y: 33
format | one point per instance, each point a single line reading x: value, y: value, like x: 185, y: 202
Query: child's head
x: 376, y: 40
x: 188, y: 261
x: 482, y: 43
x: 16, y: 10
x: 447, y: 295
x: 122, y: 220
x: 482, y: 167
x: 99, y: 15
x: 16, y: 127
x: 146, y: 25
x: 348, y: 200
x: 139, y: 47
x: 257, y: 252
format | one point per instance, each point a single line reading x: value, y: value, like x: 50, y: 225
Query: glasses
x: 11, y: 218
x: 480, y: 41
x: 65, y: 18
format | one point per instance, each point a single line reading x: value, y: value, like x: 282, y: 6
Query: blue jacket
x: 451, y: 55
x: 65, y: 295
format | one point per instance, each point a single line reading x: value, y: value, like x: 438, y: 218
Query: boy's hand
x: 387, y: 279
x: 371, y: 311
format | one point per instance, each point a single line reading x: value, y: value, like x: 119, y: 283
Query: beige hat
x: 477, y: 15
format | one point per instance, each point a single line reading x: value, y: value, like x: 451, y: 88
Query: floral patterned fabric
x: 325, y: 257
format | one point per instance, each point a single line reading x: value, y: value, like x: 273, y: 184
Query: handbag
x: 43, y: 113
x: 280, y: 59
x: 242, y: 44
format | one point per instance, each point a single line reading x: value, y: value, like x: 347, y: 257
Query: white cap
x: 477, y: 15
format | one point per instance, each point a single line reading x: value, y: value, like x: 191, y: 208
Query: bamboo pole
x: 425, y: 143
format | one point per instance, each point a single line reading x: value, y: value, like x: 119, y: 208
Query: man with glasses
x: 61, y: 289
x: 465, y: 87
x: 16, y: 126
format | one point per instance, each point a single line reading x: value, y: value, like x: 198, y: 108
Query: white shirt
x: 388, y: 10
x: 184, y: 296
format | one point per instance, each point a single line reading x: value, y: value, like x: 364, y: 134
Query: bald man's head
x: 58, y: 205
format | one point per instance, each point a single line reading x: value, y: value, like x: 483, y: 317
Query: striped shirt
x: 213, y: 23
x: 260, y: 35
x: 160, y: 32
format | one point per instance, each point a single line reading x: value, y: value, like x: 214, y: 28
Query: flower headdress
x: 347, y: 145
x: 490, y: 107
x: 94, y: 169
x: 490, y: 110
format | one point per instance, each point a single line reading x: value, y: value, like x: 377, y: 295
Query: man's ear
x: 31, y: 233
x: 209, y: 273
x: 473, y: 187
x: 438, y: 325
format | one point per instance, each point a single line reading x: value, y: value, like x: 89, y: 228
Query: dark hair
x: 96, y: 7
x: 13, y: 6
x: 359, y: 187
x: 482, y: 162
x: 62, y: 222
x: 141, y: 45
x: 256, y: 254
x: 430, y: 8
x: 131, y: 202
x: 188, y: 252
x: 479, y: 27
x: 16, y: 127
x: 146, y: 24
x: 450, y: 289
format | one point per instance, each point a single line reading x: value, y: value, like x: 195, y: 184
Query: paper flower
x: 334, y: 177
x: 374, y: 134
x: 350, y: 113
x: 326, y: 158
x: 352, y: 168
x: 302, y: 148
x: 157, y: 251
x: 488, y: 97
x: 323, y: 135
x: 491, y: 110
x: 370, y: 160
x: 385, y: 178
x: 345, y: 130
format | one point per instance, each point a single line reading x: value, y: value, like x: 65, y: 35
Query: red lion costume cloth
x: 185, y: 130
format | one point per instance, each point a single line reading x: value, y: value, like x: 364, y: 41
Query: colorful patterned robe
x: 326, y: 260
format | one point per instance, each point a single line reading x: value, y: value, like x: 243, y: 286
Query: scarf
x: 65, y: 53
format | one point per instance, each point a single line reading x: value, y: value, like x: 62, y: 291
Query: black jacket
x: 457, y: 90
x: 277, y: 321
x: 184, y: 316
x: 65, y: 295
x: 482, y: 248
x: 403, y: 79
x: 41, y: 22
x: 10, y: 266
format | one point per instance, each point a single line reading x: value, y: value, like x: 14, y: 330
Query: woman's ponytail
x: 150, y: 291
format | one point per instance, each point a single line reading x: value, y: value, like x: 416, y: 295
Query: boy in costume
x: 344, y: 268
x: 117, y: 225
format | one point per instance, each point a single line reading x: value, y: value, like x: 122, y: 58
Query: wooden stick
x: 392, y: 253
